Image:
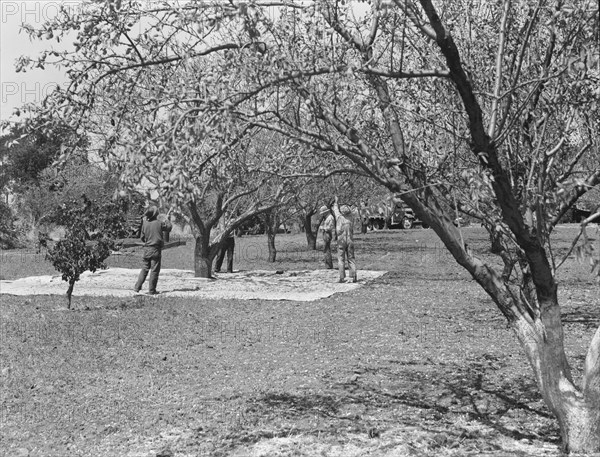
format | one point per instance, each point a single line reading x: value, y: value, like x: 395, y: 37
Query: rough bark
x: 203, y: 258
x: 271, y: 223
x: 70, y: 292
x: 311, y: 236
x: 577, y: 411
x: 591, y: 376
x: 204, y: 253
x: 271, y: 245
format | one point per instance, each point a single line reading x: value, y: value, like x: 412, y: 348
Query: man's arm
x: 166, y: 225
x: 336, y: 208
x: 139, y: 231
x: 142, y: 237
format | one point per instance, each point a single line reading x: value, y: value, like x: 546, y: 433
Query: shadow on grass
x: 407, y: 398
x: 590, y: 318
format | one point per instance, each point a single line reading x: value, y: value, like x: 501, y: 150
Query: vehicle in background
x: 390, y: 214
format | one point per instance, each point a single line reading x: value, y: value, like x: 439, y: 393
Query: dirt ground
x: 415, y: 362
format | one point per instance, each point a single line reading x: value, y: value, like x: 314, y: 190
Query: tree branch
x: 517, y: 74
x: 374, y: 26
x: 590, y: 182
x: 499, y: 65
x: 584, y: 223
x: 412, y: 13
x: 407, y: 74
x: 166, y: 60
x: 487, y: 154
x: 573, y: 163
x: 196, y: 217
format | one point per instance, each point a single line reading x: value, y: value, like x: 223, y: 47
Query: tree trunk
x: 311, y: 240
x: 271, y: 223
x: 364, y: 225
x: 536, y: 321
x: 577, y: 411
x: 495, y: 240
x: 311, y: 236
x: 203, y: 258
x: 70, y: 292
x: 272, y: 249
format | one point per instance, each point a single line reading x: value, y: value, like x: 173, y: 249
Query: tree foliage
x: 150, y: 108
x: 55, y: 187
x: 27, y: 152
x: 91, y: 233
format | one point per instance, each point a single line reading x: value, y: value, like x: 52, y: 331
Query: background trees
x: 56, y: 187
x: 33, y: 186
x: 26, y: 153
x: 473, y: 107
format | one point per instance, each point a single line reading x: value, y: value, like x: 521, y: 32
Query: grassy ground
x: 417, y: 363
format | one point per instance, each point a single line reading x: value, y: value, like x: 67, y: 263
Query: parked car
x: 401, y: 217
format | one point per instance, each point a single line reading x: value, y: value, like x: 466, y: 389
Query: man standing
x: 152, y: 236
x: 328, y: 222
x: 227, y: 247
x: 345, y: 237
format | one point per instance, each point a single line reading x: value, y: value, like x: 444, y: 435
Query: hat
x: 323, y: 209
x: 152, y: 212
x: 345, y: 209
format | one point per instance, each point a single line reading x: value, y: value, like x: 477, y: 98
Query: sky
x: 31, y: 86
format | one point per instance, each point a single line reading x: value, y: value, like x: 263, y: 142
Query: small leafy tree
x: 91, y: 234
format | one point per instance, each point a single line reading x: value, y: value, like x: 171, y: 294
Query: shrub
x: 91, y: 234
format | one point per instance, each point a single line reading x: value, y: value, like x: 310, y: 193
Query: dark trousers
x: 228, y: 246
x: 327, y: 237
x: 152, y: 258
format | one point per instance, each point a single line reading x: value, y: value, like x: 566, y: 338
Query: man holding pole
x: 152, y: 234
x: 328, y: 222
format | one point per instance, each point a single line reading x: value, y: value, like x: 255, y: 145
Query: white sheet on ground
x: 306, y: 285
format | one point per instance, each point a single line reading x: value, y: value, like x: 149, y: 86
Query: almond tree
x: 486, y: 109
x: 153, y: 94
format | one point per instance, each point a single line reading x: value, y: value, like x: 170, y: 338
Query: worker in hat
x: 227, y: 246
x: 328, y: 223
x: 152, y: 234
x: 345, y: 240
